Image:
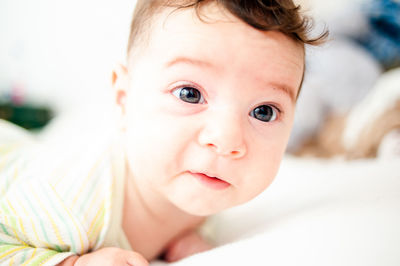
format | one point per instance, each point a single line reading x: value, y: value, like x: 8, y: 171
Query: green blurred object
x: 25, y: 115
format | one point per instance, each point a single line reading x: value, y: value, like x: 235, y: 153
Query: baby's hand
x: 108, y: 256
x: 188, y: 244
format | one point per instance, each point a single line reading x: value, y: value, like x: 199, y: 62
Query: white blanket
x: 317, y: 212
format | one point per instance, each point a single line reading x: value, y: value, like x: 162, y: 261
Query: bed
x: 317, y: 212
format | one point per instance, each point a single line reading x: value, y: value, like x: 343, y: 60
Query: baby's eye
x: 189, y: 95
x: 265, y: 113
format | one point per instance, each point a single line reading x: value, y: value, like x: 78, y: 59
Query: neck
x: 150, y: 221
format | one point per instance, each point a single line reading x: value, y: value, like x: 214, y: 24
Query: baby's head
x: 208, y: 98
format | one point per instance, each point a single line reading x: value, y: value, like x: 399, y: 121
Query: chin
x: 201, y: 209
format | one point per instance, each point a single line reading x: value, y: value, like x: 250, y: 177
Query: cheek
x: 264, y: 172
x: 263, y: 162
x: 155, y: 141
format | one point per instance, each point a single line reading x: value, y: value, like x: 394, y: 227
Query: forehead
x: 224, y: 42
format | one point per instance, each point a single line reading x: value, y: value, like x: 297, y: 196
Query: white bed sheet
x: 317, y: 212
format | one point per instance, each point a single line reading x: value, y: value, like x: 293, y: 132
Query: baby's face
x: 208, y: 111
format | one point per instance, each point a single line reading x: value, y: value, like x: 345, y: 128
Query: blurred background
x: 56, y: 59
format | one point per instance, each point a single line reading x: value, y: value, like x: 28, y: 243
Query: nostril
x: 234, y: 152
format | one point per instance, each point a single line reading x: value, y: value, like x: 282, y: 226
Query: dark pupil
x: 190, y: 95
x: 264, y: 113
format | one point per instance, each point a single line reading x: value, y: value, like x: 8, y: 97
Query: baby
x: 206, y: 104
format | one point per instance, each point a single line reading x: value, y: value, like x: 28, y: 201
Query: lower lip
x: 213, y: 183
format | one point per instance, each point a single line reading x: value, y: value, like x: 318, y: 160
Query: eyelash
x: 278, y: 111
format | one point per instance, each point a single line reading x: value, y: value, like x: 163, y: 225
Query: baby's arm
x: 186, y: 245
x: 17, y: 254
x: 107, y: 256
x: 27, y: 239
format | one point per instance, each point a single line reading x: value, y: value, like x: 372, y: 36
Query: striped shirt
x: 57, y: 200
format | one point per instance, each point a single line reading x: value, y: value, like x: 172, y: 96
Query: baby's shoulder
x: 71, y: 164
x: 15, y: 144
x: 13, y: 138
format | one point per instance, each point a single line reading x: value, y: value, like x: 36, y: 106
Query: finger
x: 135, y: 259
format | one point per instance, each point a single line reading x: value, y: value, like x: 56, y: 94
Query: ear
x: 120, y: 86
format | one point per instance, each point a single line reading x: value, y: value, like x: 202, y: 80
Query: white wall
x: 62, y: 52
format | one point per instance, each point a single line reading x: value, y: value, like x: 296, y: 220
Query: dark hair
x: 265, y: 15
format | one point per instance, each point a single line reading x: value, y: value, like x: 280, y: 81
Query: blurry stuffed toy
x: 348, y: 70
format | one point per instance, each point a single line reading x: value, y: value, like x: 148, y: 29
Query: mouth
x: 211, y: 181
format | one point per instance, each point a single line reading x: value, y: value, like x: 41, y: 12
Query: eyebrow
x: 187, y: 60
x: 285, y: 89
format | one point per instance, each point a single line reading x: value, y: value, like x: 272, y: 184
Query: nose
x: 224, y: 135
